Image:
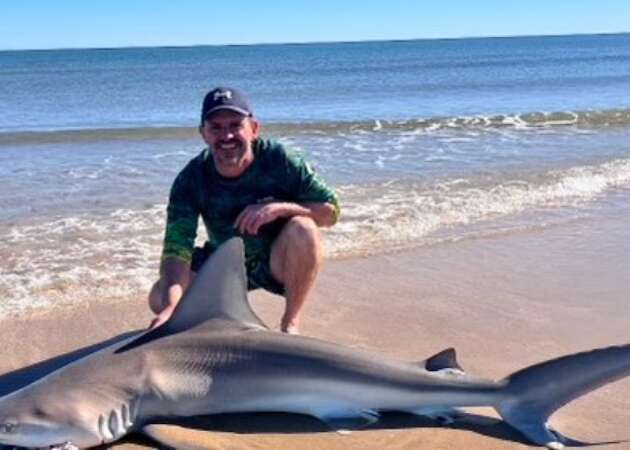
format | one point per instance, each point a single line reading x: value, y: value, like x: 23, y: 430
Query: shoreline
x: 502, y: 302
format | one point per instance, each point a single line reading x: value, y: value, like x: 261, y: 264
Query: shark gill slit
x: 122, y: 420
x: 103, y: 431
x: 117, y: 423
x: 125, y: 418
x: 130, y: 410
x: 114, y: 423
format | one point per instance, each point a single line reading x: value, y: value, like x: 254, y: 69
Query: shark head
x: 88, y: 402
x: 28, y: 421
x: 34, y: 430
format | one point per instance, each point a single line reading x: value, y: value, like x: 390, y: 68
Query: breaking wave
x: 526, y: 121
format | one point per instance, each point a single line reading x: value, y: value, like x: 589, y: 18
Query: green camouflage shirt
x: 276, y: 174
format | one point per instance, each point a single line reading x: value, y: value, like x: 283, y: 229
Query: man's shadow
x: 277, y: 423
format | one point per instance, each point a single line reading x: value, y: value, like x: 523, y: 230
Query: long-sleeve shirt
x: 276, y: 174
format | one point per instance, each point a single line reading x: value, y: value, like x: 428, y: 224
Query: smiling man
x: 243, y: 185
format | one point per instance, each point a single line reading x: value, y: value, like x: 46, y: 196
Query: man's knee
x: 298, y: 245
x: 302, y: 233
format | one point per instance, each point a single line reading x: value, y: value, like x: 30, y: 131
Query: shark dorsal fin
x: 219, y: 291
x: 446, y: 359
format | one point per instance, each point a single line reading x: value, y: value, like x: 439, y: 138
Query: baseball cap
x: 225, y: 98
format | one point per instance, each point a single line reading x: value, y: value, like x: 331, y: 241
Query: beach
x: 483, y: 186
x: 504, y: 302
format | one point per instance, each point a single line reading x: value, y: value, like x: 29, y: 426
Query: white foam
x: 396, y: 215
x: 80, y: 259
x: 87, y: 258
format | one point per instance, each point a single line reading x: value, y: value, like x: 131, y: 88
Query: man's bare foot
x: 290, y: 326
x: 291, y: 329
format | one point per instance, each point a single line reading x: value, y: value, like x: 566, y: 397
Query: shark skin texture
x: 215, y: 356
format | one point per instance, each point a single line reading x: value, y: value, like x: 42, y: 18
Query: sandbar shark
x: 216, y: 356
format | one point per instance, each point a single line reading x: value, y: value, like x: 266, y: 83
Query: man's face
x: 229, y: 135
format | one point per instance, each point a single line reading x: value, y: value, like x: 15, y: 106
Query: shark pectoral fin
x: 64, y: 446
x: 181, y: 438
x: 444, y: 416
x: 345, y: 420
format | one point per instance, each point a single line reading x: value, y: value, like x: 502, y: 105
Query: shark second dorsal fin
x: 446, y: 359
x: 219, y: 291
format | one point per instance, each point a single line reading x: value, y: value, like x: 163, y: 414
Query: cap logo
x: 222, y: 95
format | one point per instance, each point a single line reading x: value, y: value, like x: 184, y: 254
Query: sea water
x: 426, y: 142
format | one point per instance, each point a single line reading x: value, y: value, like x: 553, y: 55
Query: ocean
x: 427, y: 142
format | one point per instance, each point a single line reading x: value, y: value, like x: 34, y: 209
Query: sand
x: 504, y: 302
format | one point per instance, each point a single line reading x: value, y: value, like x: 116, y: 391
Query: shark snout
x: 32, y: 432
x: 26, y: 424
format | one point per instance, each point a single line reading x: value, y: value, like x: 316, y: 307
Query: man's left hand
x: 255, y: 216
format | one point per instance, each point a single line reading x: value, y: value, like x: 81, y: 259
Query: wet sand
x: 503, y: 302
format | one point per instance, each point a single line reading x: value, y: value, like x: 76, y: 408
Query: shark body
x: 215, y: 356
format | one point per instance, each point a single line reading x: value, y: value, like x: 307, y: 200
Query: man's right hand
x: 176, y: 277
x: 161, y: 318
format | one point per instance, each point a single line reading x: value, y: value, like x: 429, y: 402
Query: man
x: 242, y: 185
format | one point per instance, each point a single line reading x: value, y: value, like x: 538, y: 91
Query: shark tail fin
x: 535, y: 393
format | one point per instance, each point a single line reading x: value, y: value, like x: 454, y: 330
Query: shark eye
x: 7, y: 427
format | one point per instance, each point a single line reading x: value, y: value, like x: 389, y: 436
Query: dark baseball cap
x: 222, y: 98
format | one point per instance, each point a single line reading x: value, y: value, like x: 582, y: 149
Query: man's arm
x: 182, y: 217
x: 254, y: 216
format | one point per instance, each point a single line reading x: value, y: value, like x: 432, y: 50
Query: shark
x: 215, y: 356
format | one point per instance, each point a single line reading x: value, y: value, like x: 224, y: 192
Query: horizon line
x: 359, y: 41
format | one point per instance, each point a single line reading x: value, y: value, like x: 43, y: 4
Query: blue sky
x: 116, y: 23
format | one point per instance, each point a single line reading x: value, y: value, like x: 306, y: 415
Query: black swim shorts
x: 258, y: 270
